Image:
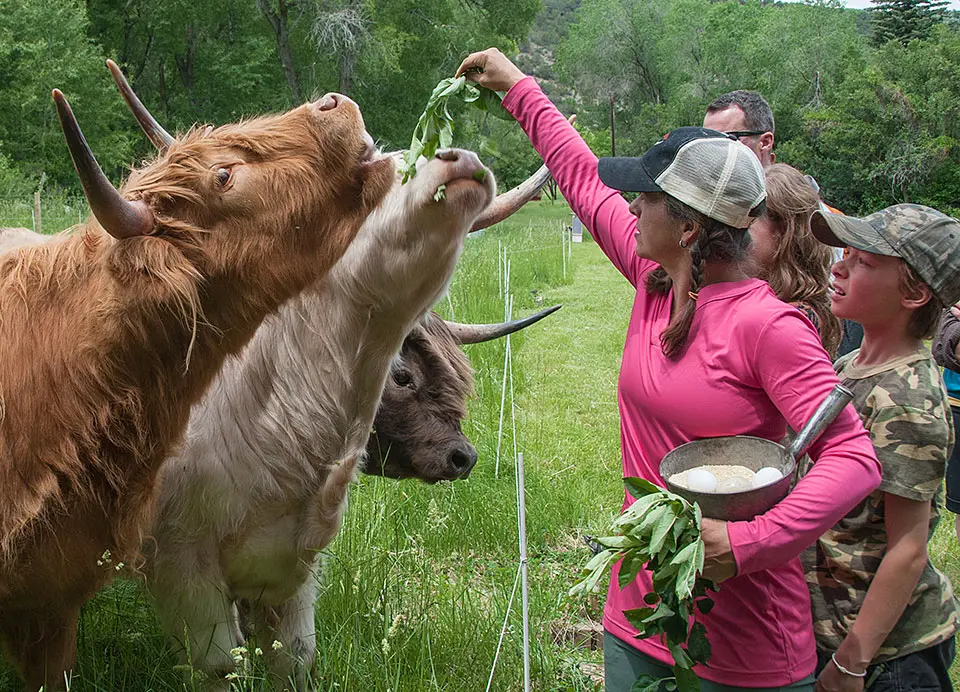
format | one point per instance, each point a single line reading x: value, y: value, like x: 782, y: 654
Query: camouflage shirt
x: 903, y: 406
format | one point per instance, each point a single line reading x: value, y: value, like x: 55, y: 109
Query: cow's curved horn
x: 119, y: 218
x: 478, y: 333
x: 507, y: 204
x: 151, y: 128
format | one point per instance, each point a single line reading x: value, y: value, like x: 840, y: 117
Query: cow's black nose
x: 462, y: 458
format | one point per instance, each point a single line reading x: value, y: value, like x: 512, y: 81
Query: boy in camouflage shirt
x: 884, y: 616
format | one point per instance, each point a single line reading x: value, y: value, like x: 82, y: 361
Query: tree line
x: 866, y: 102
x: 205, y: 62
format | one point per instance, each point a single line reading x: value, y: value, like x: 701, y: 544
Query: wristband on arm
x: 833, y: 657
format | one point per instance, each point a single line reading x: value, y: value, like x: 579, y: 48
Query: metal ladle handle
x: 829, y: 409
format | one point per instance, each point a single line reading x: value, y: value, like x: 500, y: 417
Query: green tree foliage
x: 891, y: 134
x: 194, y: 62
x: 44, y: 44
x: 905, y: 20
x: 874, y: 126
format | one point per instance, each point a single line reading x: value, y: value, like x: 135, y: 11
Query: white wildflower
x: 239, y: 653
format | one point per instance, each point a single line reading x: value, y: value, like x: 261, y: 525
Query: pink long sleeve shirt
x: 752, y: 365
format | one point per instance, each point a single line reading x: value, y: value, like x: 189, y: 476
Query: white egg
x: 701, y: 480
x: 766, y: 476
x: 733, y: 484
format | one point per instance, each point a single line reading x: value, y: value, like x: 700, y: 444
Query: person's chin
x: 838, y: 308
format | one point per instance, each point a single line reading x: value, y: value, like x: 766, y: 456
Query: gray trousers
x: 623, y: 664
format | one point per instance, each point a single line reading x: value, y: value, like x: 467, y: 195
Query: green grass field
x: 416, y: 586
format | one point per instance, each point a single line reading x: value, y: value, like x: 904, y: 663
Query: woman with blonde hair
x: 788, y: 257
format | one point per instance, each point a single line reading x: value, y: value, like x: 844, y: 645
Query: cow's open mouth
x: 460, y: 182
x: 477, y: 176
x: 369, y: 149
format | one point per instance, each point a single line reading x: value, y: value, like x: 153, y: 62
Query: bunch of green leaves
x: 435, y: 128
x: 660, y: 532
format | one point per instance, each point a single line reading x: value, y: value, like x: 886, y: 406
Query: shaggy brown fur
x: 417, y: 427
x: 105, y: 345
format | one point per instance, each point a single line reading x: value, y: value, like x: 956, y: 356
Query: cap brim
x: 626, y: 174
x: 848, y: 231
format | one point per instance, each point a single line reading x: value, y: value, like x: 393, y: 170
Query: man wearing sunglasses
x: 747, y: 116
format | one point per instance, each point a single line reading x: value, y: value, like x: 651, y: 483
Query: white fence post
x: 524, y: 592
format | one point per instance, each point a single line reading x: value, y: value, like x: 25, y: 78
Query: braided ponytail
x: 715, y: 241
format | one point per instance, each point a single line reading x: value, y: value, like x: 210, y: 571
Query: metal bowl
x: 739, y: 450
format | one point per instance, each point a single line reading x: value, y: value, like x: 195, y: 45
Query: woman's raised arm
x: 573, y: 165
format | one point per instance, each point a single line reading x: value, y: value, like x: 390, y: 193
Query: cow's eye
x: 402, y: 378
x: 223, y: 176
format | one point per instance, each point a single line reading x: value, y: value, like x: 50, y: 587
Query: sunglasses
x: 737, y: 134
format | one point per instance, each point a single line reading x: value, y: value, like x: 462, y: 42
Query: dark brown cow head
x: 417, y: 429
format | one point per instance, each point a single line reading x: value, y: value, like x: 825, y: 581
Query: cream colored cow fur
x: 262, y: 478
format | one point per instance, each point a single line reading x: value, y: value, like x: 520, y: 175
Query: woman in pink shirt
x: 709, y: 352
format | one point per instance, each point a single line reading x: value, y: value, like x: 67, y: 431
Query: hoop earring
x: 683, y: 244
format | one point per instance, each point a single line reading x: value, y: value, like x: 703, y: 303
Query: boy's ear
x: 919, y: 296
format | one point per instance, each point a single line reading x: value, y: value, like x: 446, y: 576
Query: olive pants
x: 623, y: 664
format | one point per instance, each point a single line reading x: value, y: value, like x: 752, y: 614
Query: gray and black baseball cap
x: 705, y: 169
x: 926, y: 239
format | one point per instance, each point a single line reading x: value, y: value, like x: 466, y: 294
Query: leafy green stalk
x: 435, y: 128
x: 660, y: 532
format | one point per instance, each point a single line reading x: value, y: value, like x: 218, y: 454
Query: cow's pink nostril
x: 447, y: 154
x: 328, y: 102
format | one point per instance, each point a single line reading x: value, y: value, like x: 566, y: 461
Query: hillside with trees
x: 866, y: 101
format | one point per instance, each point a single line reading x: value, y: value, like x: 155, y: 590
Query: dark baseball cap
x: 708, y: 170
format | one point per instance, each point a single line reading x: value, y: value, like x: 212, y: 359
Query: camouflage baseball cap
x: 927, y: 240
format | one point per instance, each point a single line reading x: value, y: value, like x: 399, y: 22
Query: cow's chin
x: 378, y: 175
x: 426, y: 473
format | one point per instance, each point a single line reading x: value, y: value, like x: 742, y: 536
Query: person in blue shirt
x: 946, y: 351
